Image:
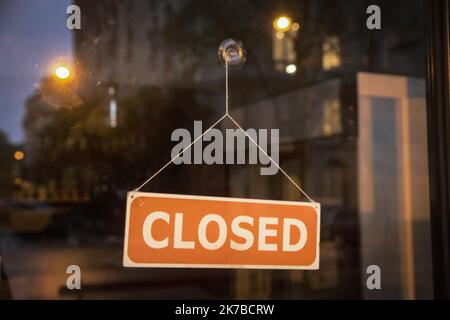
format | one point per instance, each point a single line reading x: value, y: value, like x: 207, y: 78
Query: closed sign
x: 165, y: 230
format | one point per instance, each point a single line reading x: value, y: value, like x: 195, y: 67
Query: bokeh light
x: 62, y: 72
x: 19, y: 155
x: 282, y: 23
x: 291, y: 69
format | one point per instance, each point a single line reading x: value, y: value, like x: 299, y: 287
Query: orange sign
x: 164, y: 230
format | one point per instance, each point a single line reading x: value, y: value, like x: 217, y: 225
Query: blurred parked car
x: 4, y: 213
x: 30, y: 216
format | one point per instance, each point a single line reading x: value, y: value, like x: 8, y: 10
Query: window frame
x: 438, y: 121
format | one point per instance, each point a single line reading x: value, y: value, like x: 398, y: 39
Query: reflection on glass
x: 331, y: 56
x: 349, y: 103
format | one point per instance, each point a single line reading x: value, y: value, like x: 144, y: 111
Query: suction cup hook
x: 233, y: 53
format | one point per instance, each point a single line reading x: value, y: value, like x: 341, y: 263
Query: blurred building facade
x: 157, y: 60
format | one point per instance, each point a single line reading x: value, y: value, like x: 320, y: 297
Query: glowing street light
x: 62, y: 72
x: 282, y: 23
x: 291, y: 68
x: 19, y: 155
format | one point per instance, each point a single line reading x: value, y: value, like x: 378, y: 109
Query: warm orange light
x: 62, y: 72
x: 280, y: 35
x: 282, y: 23
x: 18, y: 181
x: 19, y: 155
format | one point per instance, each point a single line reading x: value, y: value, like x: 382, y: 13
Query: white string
x: 245, y: 132
x: 226, y: 87
x: 179, y: 154
x: 271, y: 160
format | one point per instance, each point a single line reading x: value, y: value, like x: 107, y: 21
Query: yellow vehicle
x: 30, y: 216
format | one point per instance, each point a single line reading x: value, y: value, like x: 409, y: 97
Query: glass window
x: 86, y: 115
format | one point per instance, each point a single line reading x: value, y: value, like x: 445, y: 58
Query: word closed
x: 165, y: 230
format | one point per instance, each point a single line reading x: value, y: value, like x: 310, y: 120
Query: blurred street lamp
x: 59, y: 87
x: 284, y: 51
x: 62, y: 72
x: 282, y: 23
x: 19, y: 155
x: 291, y: 69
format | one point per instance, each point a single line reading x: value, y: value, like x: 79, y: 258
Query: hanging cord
x: 271, y: 160
x: 179, y: 154
x: 226, y: 115
x: 226, y: 87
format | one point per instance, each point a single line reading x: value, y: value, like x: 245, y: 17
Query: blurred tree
x: 6, y: 163
x: 75, y: 148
